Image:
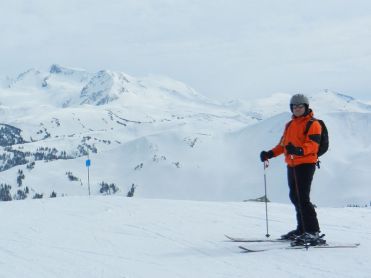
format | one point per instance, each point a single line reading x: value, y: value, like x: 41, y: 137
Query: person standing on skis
x: 300, y: 150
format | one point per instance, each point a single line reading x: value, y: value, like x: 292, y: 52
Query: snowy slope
x: 168, y: 140
x: 132, y: 237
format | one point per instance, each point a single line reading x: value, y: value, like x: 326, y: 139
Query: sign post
x: 88, y: 163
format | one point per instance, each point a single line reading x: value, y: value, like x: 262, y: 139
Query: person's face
x: 298, y: 110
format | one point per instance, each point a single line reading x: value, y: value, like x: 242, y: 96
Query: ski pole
x: 266, y: 164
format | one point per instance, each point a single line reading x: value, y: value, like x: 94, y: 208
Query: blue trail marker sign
x: 88, y: 163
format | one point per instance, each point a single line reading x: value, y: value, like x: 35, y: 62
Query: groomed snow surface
x: 133, y: 237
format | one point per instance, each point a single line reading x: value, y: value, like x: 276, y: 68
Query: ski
x: 250, y: 250
x: 240, y: 239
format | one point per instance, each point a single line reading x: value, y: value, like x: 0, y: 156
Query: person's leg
x: 294, y: 198
x: 304, y: 175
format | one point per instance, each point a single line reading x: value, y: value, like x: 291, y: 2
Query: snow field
x: 130, y: 237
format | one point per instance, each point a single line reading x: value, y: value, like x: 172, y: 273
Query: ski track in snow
x: 126, y: 237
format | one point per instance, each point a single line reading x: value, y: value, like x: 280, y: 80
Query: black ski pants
x: 300, y: 180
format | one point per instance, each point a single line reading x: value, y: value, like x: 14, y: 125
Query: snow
x: 115, y: 236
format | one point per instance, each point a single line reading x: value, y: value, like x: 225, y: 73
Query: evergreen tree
x: 21, y: 195
x: 131, y: 191
x: 20, y: 177
x: 5, y: 192
x: 37, y: 196
x: 108, y: 189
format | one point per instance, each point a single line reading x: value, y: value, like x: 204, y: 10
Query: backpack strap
x: 307, y: 127
x: 309, y: 124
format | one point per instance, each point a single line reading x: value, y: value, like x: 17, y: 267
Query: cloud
x: 225, y: 49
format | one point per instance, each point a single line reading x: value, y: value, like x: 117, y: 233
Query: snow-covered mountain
x: 166, y: 139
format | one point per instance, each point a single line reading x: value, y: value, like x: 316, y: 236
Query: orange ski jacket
x: 295, y: 133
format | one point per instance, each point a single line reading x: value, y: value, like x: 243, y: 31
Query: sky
x: 225, y: 49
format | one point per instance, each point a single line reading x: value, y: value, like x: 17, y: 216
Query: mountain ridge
x: 195, y: 147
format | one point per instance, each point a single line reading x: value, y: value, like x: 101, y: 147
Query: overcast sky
x: 225, y: 49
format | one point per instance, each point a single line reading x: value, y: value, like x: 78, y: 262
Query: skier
x: 300, y: 150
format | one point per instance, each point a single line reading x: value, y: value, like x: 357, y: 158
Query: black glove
x: 291, y: 149
x: 266, y: 155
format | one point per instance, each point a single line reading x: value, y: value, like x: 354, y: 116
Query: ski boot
x: 309, y: 239
x: 291, y: 235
